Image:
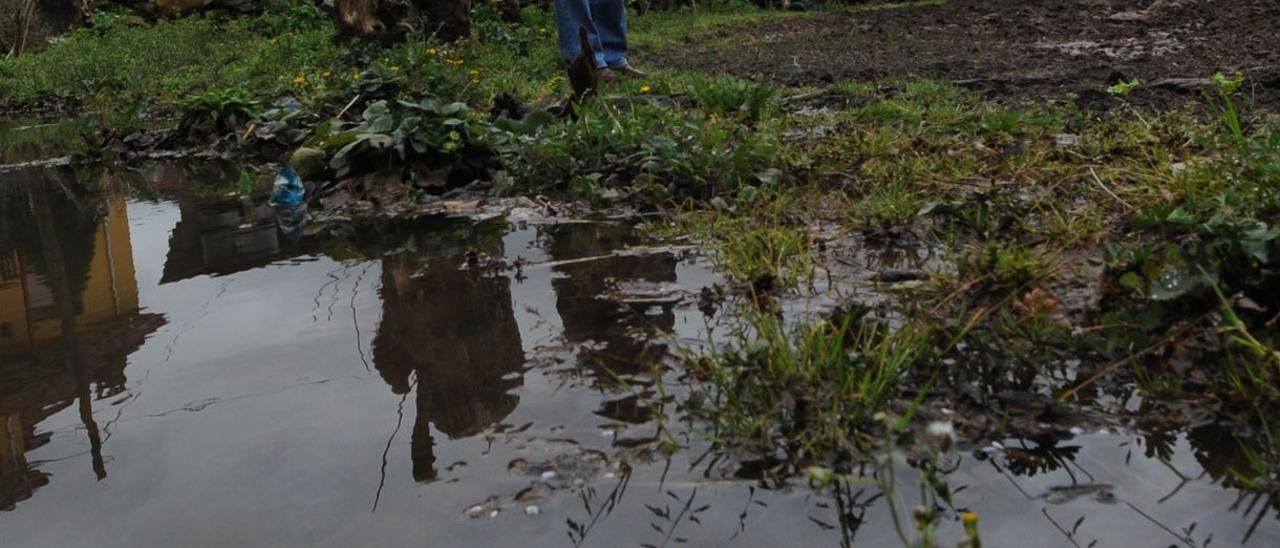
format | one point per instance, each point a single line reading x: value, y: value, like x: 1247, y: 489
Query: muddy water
x: 186, y: 369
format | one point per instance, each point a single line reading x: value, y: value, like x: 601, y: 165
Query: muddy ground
x: 1012, y: 49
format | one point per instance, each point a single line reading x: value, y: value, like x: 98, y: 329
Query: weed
x: 1223, y: 103
x: 757, y: 251
x: 813, y: 388
x: 1004, y: 268
x: 649, y: 148
x: 1123, y: 87
x: 216, y: 111
x: 423, y: 135
x: 734, y: 97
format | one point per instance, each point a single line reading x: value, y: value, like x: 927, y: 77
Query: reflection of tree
x: 583, y: 297
x: 455, y: 331
x: 83, y: 340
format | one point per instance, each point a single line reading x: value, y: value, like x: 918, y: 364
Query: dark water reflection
x: 449, y: 336
x: 177, y: 369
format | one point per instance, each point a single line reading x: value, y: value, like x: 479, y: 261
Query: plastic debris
x: 288, y: 189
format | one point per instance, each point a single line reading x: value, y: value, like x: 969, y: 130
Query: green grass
x: 163, y: 62
x: 815, y: 388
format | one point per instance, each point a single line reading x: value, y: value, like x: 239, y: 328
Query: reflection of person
x: 455, y: 332
x: 606, y: 24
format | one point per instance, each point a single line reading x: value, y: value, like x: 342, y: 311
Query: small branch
x: 348, y: 107
x: 806, y: 96
x: 1108, y: 190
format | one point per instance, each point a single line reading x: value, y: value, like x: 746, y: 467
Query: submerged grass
x: 807, y: 389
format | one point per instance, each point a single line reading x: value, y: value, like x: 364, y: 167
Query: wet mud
x: 1012, y: 49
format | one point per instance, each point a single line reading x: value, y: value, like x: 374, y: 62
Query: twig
x: 630, y: 252
x: 1108, y: 190
x: 348, y: 107
x: 806, y: 96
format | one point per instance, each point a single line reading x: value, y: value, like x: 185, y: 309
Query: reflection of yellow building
x: 11, y: 445
x: 28, y: 313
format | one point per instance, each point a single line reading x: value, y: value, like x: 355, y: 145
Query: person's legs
x: 610, y: 18
x: 571, y: 14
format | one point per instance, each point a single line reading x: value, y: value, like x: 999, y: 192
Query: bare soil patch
x: 1012, y: 49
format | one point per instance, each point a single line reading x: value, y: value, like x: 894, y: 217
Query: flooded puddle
x: 179, y: 369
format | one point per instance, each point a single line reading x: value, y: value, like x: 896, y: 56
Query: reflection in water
x: 612, y: 335
x: 451, y: 337
x: 454, y: 332
x: 223, y: 234
x: 68, y: 315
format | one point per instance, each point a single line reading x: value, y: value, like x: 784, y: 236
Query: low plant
x: 811, y: 388
x: 411, y: 137
x: 1221, y: 100
x: 781, y: 251
x: 647, y: 148
x: 1004, y: 268
x: 216, y: 111
x: 733, y: 97
x: 283, y: 16
x: 1123, y: 87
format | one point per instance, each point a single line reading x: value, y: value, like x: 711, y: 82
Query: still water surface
x: 181, y: 370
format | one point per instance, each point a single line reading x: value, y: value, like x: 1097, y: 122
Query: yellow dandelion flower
x: 299, y: 79
x: 355, y: 76
x: 645, y: 88
x: 474, y: 73
x: 431, y: 51
x: 542, y: 30
x: 969, y: 518
x: 394, y: 68
x: 326, y: 74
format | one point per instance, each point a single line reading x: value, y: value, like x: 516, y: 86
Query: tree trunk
x: 450, y: 20
x: 29, y: 22
x: 389, y: 20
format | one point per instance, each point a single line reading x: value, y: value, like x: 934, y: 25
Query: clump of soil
x: 1013, y: 49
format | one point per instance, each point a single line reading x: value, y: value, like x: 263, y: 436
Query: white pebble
x: 532, y: 510
x: 548, y: 475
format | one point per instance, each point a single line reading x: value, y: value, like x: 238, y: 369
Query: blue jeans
x: 606, y: 23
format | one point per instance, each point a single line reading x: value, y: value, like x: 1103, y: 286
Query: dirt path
x: 1012, y: 49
